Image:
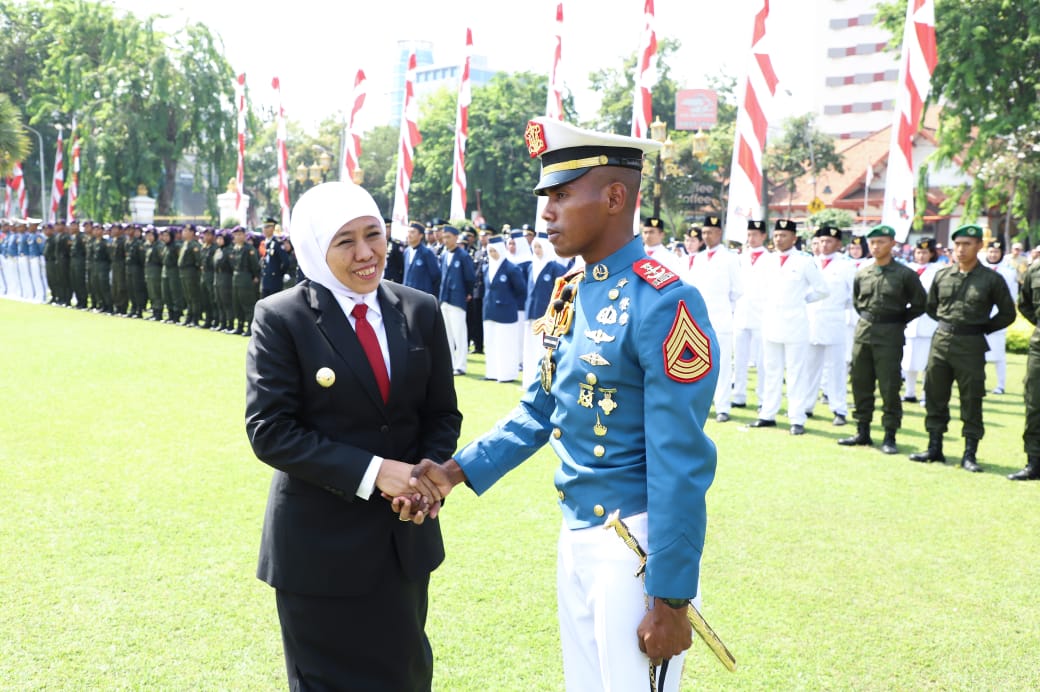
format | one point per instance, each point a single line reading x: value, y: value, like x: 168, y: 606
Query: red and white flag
x: 283, y: 176
x: 70, y: 214
x: 458, y: 175
x: 554, y: 100
x: 410, y: 139
x: 646, y: 75
x: 352, y: 137
x: 916, y: 64
x: 745, y: 181
x: 58, y: 181
x: 553, y: 103
x: 240, y: 174
x: 8, y: 182
x: 21, y: 200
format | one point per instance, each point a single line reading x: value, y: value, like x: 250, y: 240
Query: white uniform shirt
x: 747, y: 314
x: 923, y: 326
x: 827, y: 315
x: 716, y: 274
x: 791, y: 280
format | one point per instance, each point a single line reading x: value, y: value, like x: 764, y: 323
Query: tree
x: 145, y: 101
x: 988, y: 80
x: 14, y: 144
x: 800, y: 150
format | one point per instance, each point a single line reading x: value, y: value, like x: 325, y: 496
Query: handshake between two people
x: 416, y: 491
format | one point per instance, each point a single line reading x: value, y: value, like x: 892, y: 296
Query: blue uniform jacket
x: 423, y: 272
x: 635, y: 376
x: 457, y: 277
x: 36, y: 242
x: 273, y: 266
x: 504, y: 296
x: 540, y: 287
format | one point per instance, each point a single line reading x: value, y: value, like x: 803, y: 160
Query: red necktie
x: 710, y: 255
x: 367, y: 336
x: 755, y: 256
x: 826, y: 261
x: 783, y: 258
x: 920, y: 270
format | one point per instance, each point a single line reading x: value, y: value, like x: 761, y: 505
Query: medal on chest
x: 555, y: 323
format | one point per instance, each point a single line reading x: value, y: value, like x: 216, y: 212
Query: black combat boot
x: 934, y: 451
x: 1030, y: 473
x: 862, y: 436
x: 888, y: 445
x: 968, y: 463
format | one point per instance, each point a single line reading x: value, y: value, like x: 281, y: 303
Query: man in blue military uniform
x: 272, y: 265
x: 421, y: 270
x: 626, y: 383
x: 457, y: 279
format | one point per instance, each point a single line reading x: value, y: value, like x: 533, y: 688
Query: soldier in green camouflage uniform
x: 153, y: 261
x: 100, y: 257
x: 120, y: 291
x: 50, y: 261
x: 78, y: 265
x: 245, y: 281
x: 135, y: 280
x: 189, y: 265
x: 1029, y: 306
x: 207, y: 299
x: 222, y: 276
x: 961, y: 299
x: 887, y: 295
x: 172, y: 294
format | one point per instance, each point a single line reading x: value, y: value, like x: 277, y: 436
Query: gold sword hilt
x: 697, y: 621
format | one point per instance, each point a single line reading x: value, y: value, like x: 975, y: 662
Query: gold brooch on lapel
x: 325, y: 377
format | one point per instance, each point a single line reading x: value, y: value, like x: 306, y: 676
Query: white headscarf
x: 499, y: 246
x: 523, y: 250
x: 318, y: 214
x: 548, y: 255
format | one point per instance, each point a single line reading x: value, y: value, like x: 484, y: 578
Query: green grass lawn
x: 133, y: 504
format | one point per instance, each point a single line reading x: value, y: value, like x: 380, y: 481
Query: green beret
x: 882, y: 231
x: 968, y: 231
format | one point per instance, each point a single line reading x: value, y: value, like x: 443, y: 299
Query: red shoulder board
x: 654, y: 273
x: 687, y: 350
x: 576, y: 272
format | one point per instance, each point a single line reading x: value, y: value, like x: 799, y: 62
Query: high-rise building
x: 423, y: 56
x: 860, y: 70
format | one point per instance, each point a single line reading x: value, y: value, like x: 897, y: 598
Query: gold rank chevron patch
x: 687, y: 351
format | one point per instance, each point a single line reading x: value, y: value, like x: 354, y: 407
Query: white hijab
x: 548, y: 255
x: 318, y: 214
x: 498, y: 246
x: 523, y: 250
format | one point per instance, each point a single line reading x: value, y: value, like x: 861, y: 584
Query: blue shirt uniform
x: 421, y: 270
x: 623, y: 405
x: 540, y: 288
x: 272, y: 266
x: 36, y: 241
x: 457, y: 277
x: 504, y: 294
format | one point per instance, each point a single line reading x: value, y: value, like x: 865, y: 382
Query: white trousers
x: 458, y: 337
x: 601, y: 603
x: 501, y: 349
x: 6, y: 287
x: 997, y: 354
x: 724, y: 386
x: 39, y: 281
x: 825, y: 366
x: 533, y: 354
x: 747, y: 350
x: 24, y: 279
x: 780, y: 359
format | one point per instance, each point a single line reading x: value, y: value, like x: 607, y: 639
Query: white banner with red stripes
x: 553, y: 103
x: 240, y: 173
x: 646, y: 74
x: 410, y: 138
x: 21, y: 200
x: 70, y: 213
x: 916, y: 64
x: 756, y: 96
x: 350, y: 160
x: 283, y: 176
x: 58, y: 181
x: 458, y: 175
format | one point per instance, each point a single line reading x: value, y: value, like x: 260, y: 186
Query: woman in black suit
x: 349, y: 385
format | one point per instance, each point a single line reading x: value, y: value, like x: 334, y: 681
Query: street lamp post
x: 43, y: 189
